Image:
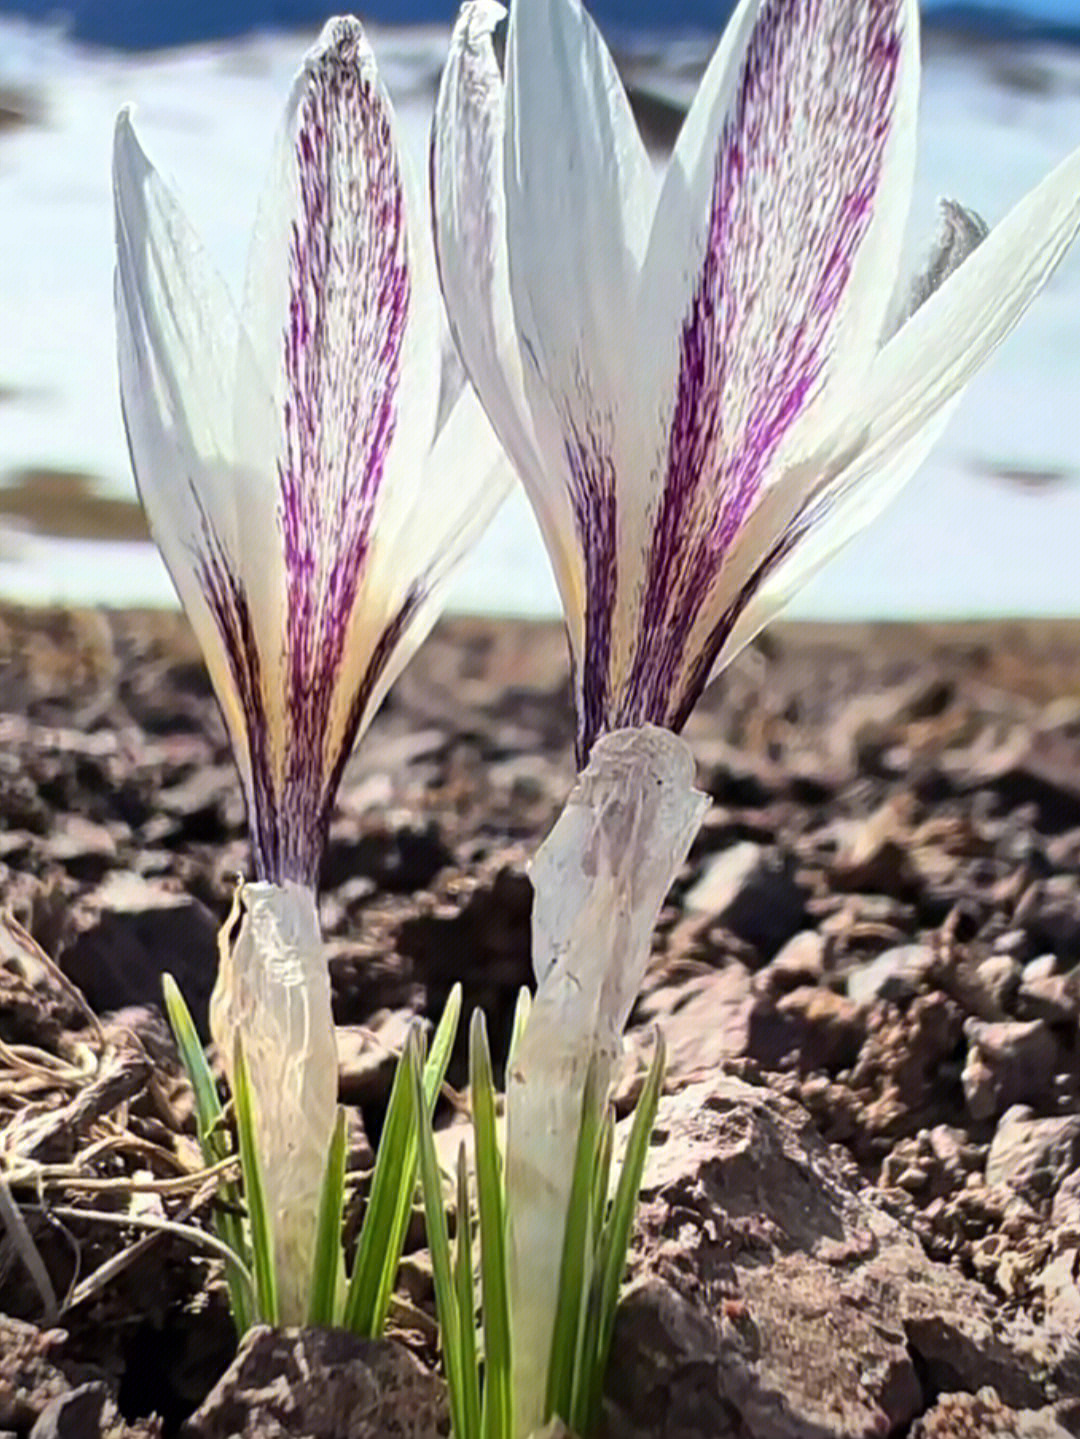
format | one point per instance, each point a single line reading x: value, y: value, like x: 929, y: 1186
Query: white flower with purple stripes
x: 313, y: 466
x: 305, y: 477
x: 708, y: 380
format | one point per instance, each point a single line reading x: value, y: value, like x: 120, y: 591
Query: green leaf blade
x: 262, y: 1238
x: 327, y: 1265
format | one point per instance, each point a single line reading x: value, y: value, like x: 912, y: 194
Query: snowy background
x: 991, y: 526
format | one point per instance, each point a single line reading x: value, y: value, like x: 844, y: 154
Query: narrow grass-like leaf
x: 439, y: 1245
x: 215, y: 1146
x: 522, y: 1010
x: 327, y: 1266
x: 602, y: 1179
x: 207, y: 1104
x: 466, y: 1301
x: 393, y: 1185
x: 262, y: 1239
x: 491, y: 1204
x: 615, y: 1240
x: 575, y: 1270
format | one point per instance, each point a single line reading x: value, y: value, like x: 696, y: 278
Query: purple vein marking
x: 592, y: 495
x: 348, y: 306
x: 801, y: 154
x: 228, y: 604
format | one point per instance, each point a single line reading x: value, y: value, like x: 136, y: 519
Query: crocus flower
x: 312, y: 472
x: 708, y: 380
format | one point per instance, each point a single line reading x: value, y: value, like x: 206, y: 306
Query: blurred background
x: 991, y: 526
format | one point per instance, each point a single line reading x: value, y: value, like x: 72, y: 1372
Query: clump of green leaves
x: 479, y: 1375
x: 358, y: 1301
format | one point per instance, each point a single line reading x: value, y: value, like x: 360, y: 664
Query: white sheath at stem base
x: 599, y: 879
x: 273, y: 990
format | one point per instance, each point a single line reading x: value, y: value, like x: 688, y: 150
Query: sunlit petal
x: 469, y: 204
x: 278, y: 470
x: 912, y: 391
x: 179, y: 344
x: 804, y: 199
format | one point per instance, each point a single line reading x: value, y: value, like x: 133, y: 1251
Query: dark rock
x: 754, y: 894
x: 88, y: 1412
x: 1033, y: 1155
x: 86, y: 850
x: 810, y: 1028
x: 771, y: 1296
x: 1050, y: 912
x: 322, y: 1384
x: 400, y: 860
x: 120, y: 939
x: 1038, y: 770
x: 1009, y: 1062
x: 196, y: 805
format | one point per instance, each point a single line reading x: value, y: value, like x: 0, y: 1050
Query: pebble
x: 752, y: 892
x: 1032, y: 1155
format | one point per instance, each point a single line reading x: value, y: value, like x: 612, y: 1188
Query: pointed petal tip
x: 478, y: 18
x: 131, y: 169
x: 126, y: 145
x: 343, y: 41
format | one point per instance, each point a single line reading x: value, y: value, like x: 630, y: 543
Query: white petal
x: 338, y: 208
x: 179, y: 346
x: 791, y: 181
x: 914, y: 387
x: 469, y: 204
x: 858, y: 502
x: 343, y: 300
x: 580, y: 197
x: 939, y: 349
x: 425, y: 532
x: 769, y: 271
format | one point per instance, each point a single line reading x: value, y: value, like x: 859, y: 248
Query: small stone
x: 752, y: 893
x: 1032, y: 1155
x: 1040, y: 968
x: 811, y: 1027
x: 984, y: 1416
x: 877, y: 855
x: 896, y: 975
x: 801, y: 961
x: 996, y: 981
x: 323, y: 1384
x: 1009, y: 1062
x: 1052, y: 997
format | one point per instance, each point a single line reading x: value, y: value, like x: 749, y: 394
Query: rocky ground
x: 862, y: 1210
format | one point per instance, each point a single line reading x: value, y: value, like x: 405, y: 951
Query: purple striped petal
x: 593, y: 502
x: 800, y: 159
x: 343, y: 341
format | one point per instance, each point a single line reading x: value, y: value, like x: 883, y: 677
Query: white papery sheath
x: 600, y: 878
x: 273, y: 991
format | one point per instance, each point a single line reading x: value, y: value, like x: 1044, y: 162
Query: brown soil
x: 879, y: 925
